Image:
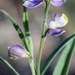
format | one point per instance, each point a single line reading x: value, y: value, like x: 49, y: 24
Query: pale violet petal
x: 32, y: 3
x: 56, y: 16
x: 52, y: 25
x: 61, y: 21
x: 57, y: 2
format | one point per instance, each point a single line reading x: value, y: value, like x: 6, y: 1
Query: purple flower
x: 32, y: 3
x: 59, y: 21
x: 53, y: 25
x: 35, y: 3
x: 17, y: 51
x: 57, y: 2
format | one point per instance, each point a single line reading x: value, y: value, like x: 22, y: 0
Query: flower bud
x: 17, y: 51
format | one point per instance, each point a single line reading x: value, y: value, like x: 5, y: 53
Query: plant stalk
x: 42, y: 38
x: 28, y: 39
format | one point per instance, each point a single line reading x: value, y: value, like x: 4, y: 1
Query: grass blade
x: 6, y: 63
x: 16, y: 26
x: 54, y: 53
x: 63, y: 65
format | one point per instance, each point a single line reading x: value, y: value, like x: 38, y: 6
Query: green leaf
x: 54, y: 53
x: 63, y: 65
x: 16, y: 26
x: 6, y: 63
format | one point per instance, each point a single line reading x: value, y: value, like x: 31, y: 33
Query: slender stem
x: 25, y: 24
x: 42, y: 38
x: 28, y: 39
x: 25, y: 21
x: 6, y: 63
x: 31, y: 62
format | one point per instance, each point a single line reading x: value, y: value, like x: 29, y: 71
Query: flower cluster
x: 59, y: 21
x: 54, y: 26
x: 17, y: 51
x: 35, y: 3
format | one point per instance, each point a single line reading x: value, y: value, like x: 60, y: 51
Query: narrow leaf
x: 16, y: 26
x: 63, y: 65
x: 6, y: 63
x: 54, y: 53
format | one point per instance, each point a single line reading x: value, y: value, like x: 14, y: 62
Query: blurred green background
x: 9, y: 36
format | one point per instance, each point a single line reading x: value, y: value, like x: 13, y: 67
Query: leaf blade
x: 62, y: 67
x: 54, y: 53
x: 6, y: 63
x: 16, y: 26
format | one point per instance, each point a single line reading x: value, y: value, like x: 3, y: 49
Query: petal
x: 58, y: 2
x: 32, y: 3
x: 52, y: 25
x: 17, y: 51
x: 56, y: 32
x: 65, y: 18
x: 56, y: 16
x: 61, y: 21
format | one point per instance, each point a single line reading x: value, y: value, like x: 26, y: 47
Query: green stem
x: 28, y: 39
x: 6, y: 63
x: 25, y: 24
x: 31, y: 62
x: 42, y: 38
